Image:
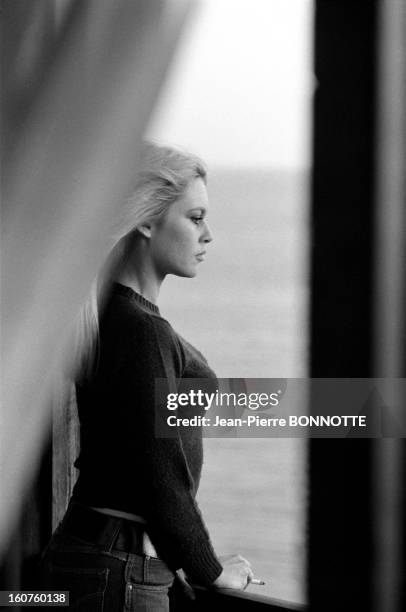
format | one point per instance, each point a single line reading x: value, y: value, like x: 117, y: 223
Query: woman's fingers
x: 245, y: 560
x: 236, y: 573
x: 233, y: 557
x: 250, y: 576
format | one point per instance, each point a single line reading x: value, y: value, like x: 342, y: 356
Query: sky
x: 239, y: 89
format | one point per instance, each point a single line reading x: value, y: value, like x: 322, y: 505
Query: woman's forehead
x: 195, y: 197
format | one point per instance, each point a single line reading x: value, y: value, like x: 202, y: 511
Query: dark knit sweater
x: 122, y: 464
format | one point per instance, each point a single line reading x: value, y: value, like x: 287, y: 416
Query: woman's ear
x: 145, y: 230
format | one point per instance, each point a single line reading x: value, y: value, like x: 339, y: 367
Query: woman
x: 133, y: 520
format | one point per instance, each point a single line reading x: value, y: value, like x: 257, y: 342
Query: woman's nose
x: 207, y: 236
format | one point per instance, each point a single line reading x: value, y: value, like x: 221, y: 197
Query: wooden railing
x: 230, y: 600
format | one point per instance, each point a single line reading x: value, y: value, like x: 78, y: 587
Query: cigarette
x: 257, y: 581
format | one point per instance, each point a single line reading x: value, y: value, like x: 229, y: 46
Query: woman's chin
x: 186, y: 273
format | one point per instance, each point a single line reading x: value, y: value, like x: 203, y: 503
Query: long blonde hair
x: 161, y: 178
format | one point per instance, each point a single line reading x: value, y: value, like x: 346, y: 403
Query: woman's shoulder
x: 127, y: 318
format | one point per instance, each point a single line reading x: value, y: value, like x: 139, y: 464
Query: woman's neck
x: 144, y: 284
x: 138, y: 271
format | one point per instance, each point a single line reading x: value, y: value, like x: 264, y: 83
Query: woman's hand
x: 236, y: 573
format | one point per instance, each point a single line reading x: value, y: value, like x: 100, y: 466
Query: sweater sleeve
x: 175, y: 524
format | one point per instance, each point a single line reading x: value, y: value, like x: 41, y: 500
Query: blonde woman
x: 133, y: 519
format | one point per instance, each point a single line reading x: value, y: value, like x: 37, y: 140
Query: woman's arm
x: 175, y: 524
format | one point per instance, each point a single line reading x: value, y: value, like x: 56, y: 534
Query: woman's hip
x: 98, y: 574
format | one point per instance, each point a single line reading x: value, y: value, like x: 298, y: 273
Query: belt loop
x: 145, y: 567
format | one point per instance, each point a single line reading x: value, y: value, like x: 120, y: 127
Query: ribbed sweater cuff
x: 205, y: 567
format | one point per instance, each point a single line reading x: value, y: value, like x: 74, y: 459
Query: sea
x: 247, y: 312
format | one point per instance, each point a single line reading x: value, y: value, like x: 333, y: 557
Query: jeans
x: 100, y: 577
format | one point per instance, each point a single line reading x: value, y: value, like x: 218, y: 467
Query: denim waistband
x: 104, y: 530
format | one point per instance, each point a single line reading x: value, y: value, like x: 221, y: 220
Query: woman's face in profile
x: 179, y: 239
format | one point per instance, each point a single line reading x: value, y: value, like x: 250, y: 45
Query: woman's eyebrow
x: 202, y: 209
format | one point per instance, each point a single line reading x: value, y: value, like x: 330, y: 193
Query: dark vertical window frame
x: 340, y: 548
x: 390, y: 297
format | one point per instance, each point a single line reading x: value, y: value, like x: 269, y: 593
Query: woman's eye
x: 197, y: 220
